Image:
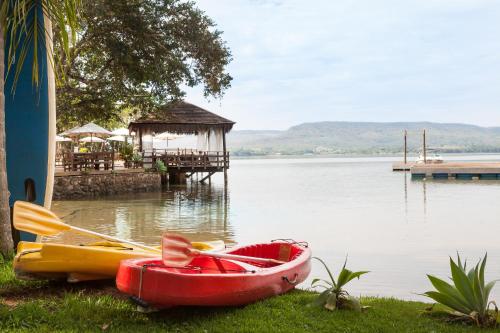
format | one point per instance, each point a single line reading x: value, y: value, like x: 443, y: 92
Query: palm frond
x: 25, y: 32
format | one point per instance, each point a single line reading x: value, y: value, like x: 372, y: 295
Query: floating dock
x: 457, y: 170
x: 402, y: 166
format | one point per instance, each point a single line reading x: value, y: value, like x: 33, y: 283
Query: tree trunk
x: 6, y: 243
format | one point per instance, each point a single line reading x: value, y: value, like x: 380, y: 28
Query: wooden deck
x: 184, y: 164
x: 181, y: 164
x: 402, y: 166
x: 195, y: 162
x: 61, y: 173
x: 457, y: 170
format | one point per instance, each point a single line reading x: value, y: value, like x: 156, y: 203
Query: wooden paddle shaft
x: 237, y: 257
x: 110, y: 238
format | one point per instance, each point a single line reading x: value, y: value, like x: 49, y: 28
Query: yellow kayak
x: 75, y: 263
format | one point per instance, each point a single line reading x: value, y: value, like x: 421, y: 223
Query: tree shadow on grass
x: 26, y: 291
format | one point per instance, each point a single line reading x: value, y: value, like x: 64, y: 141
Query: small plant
x: 127, y: 152
x: 136, y: 158
x: 468, y: 297
x: 335, y: 296
x: 160, y: 166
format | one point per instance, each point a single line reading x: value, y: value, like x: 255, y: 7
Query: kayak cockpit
x: 203, y: 265
x: 281, y: 251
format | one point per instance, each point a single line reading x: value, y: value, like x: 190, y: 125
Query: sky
x: 299, y: 61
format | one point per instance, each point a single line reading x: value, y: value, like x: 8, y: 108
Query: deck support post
x: 177, y: 178
x: 424, y: 148
x: 140, y: 140
x: 406, y: 148
x: 206, y: 177
x: 224, y: 155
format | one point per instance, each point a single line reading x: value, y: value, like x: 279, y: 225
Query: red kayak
x: 208, y: 281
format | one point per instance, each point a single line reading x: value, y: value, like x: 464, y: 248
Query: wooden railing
x: 82, y: 161
x: 195, y: 161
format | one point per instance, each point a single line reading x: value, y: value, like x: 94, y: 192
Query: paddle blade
x: 37, y: 219
x: 176, y: 251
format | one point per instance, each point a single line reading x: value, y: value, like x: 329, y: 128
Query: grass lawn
x: 49, y: 307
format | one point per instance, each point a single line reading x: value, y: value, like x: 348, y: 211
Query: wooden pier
x: 457, y: 170
x: 402, y: 166
x: 184, y: 165
x: 432, y: 168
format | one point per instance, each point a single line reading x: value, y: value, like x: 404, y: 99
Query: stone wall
x: 77, y: 185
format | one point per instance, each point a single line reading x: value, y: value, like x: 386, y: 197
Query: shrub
x: 136, y: 158
x: 468, y: 297
x: 335, y: 296
x: 127, y: 152
x: 160, y: 166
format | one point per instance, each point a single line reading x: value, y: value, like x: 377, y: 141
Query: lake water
x: 397, y: 228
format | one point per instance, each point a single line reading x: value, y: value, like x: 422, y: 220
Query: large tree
x: 136, y: 55
x: 20, y: 21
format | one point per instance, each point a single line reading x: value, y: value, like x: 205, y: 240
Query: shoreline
x: 398, y: 156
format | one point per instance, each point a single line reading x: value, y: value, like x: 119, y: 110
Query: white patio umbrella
x: 90, y: 129
x: 166, y: 136
x: 91, y: 139
x: 121, y: 132
x: 119, y: 138
x: 62, y: 139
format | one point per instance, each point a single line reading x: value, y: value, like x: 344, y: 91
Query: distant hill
x: 335, y: 137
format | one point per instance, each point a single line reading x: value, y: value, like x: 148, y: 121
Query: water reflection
x: 195, y: 210
x: 424, y: 191
x: 405, y: 175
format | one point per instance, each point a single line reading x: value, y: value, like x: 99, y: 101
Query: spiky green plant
x: 335, y: 296
x: 468, y: 296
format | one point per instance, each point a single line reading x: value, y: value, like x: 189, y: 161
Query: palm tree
x: 20, y: 21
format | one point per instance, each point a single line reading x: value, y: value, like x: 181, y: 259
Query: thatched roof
x: 181, y: 118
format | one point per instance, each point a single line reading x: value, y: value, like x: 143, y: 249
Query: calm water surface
x: 397, y: 228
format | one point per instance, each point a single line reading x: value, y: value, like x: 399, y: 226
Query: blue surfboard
x: 30, y: 132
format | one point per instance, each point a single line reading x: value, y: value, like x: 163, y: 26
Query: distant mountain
x: 335, y: 137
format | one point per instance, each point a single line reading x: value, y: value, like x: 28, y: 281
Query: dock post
x: 424, y: 149
x: 406, y: 149
x: 140, y: 140
x: 224, y: 163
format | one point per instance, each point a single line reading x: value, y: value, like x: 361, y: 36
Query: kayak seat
x: 203, y: 265
x: 281, y: 251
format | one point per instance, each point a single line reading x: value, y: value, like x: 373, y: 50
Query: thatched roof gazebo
x: 183, y: 118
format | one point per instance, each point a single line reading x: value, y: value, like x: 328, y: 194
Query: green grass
x: 97, y: 307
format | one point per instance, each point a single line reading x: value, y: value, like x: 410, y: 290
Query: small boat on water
x: 209, y: 281
x: 77, y: 263
x: 432, y: 157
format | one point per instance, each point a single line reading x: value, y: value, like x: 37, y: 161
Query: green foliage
x: 21, y: 21
x: 160, y: 166
x: 127, y: 152
x: 335, y: 296
x: 136, y: 158
x: 469, y: 294
x: 135, y: 56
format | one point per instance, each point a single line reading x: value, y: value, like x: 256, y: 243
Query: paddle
x: 41, y: 221
x: 178, y: 252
